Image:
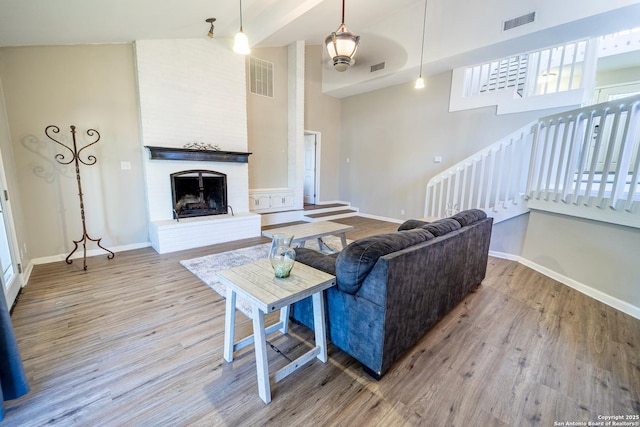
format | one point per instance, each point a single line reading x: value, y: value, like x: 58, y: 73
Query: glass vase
x: 282, y: 255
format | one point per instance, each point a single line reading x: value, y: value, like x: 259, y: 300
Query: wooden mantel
x: 169, y: 153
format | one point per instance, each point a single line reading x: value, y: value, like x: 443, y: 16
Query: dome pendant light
x: 420, y: 81
x: 342, y: 46
x: 241, y: 42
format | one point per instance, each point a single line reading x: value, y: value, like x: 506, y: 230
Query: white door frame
x: 317, y: 173
x: 11, y: 289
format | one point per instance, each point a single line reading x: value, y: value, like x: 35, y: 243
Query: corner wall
x: 597, y: 258
x: 322, y: 114
x: 267, y: 125
x: 89, y: 86
x: 392, y: 135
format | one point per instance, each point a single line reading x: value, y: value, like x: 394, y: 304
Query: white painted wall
x: 191, y: 91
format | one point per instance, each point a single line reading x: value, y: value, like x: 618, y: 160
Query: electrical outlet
x: 437, y: 159
x: 125, y: 166
x: 401, y: 211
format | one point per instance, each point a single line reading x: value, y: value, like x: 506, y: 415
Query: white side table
x: 258, y: 284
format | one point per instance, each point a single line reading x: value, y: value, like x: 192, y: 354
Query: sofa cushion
x: 358, y: 258
x: 469, y: 216
x: 442, y: 226
x: 315, y: 259
x: 410, y: 224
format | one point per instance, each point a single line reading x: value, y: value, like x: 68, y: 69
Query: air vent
x: 261, y: 77
x: 519, y: 21
x: 378, y: 67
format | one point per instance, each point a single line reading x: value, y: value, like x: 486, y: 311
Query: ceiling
x: 390, y: 30
x: 266, y: 22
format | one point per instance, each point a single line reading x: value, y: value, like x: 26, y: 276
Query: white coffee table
x: 312, y: 230
x: 258, y: 284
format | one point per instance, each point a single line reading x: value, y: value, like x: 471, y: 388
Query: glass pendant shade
x: 241, y: 43
x: 419, y: 83
x: 342, y: 46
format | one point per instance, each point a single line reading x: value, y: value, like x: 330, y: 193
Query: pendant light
x: 342, y: 45
x: 241, y: 42
x: 420, y: 81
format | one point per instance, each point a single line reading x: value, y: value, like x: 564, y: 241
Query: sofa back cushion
x: 410, y: 224
x: 469, y: 216
x: 442, y: 226
x: 356, y: 260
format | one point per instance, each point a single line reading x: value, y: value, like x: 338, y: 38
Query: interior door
x: 310, y: 169
x: 10, y: 280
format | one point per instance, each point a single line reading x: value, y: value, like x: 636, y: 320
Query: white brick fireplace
x: 193, y: 91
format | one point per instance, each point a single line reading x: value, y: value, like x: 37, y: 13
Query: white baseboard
x: 90, y: 253
x: 381, y: 218
x: 505, y: 255
x: 26, y: 272
x: 596, y: 294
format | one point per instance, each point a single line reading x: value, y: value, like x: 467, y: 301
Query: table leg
x: 229, y: 324
x: 284, y: 319
x: 260, y: 345
x: 319, y: 325
x: 343, y: 239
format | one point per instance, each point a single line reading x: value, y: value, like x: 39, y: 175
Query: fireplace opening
x: 198, y: 193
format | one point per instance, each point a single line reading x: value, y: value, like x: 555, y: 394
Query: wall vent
x: 261, y: 77
x: 378, y: 67
x: 519, y: 21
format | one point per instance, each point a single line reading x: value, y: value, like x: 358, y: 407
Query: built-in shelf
x: 169, y: 153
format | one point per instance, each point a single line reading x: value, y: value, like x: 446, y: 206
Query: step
x: 332, y: 207
x: 330, y: 215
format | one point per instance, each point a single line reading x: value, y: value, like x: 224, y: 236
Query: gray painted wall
x: 89, y: 86
x: 599, y: 255
x: 392, y: 135
x: 267, y: 125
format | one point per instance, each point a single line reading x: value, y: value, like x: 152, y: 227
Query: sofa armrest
x: 315, y: 259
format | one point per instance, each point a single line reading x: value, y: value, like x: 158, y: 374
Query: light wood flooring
x: 138, y: 340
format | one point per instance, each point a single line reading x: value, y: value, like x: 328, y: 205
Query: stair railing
x: 589, y: 157
x: 493, y: 179
x: 550, y: 77
x: 583, y: 162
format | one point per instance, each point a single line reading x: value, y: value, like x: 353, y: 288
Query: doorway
x: 311, y: 167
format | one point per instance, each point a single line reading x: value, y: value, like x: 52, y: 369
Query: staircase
x: 329, y: 212
x: 584, y: 162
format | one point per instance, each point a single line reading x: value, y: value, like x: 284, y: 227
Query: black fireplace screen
x: 198, y: 193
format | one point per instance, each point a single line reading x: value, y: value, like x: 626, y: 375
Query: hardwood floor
x: 138, y: 340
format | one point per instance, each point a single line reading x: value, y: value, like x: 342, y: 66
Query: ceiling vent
x: 378, y: 67
x: 519, y: 21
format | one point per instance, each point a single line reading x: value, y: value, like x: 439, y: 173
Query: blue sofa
x: 392, y: 288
